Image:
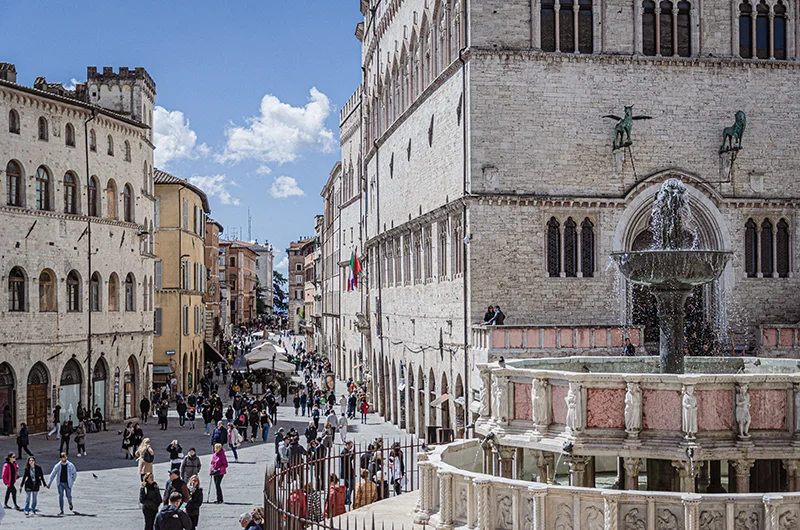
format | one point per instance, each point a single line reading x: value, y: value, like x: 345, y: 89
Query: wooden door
x: 37, y: 408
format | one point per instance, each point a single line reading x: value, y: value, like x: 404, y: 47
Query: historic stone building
x: 484, y: 172
x: 329, y: 269
x: 297, y: 252
x: 240, y: 279
x: 77, y: 264
x: 264, y: 266
x: 214, y: 332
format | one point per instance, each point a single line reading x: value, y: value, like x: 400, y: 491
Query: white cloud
x: 283, y: 264
x: 173, y: 137
x: 281, y: 132
x: 215, y: 186
x: 284, y: 187
x: 263, y: 170
x: 73, y: 84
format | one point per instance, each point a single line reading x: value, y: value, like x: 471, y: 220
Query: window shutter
x: 157, y: 321
x: 185, y: 214
x: 157, y: 213
x: 158, y: 273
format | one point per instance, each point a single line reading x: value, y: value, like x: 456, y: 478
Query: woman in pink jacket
x: 219, y: 465
x: 10, y: 475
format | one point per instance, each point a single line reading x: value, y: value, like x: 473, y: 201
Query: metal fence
x: 319, y: 493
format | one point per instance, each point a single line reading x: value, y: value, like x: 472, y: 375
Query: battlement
x: 351, y: 104
x: 8, y: 72
x: 40, y: 83
x: 124, y: 74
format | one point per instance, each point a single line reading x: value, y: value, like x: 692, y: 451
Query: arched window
x: 570, y: 248
x: 750, y: 251
x: 127, y: 203
x: 127, y: 151
x: 94, y: 200
x: 74, y: 294
x: 566, y: 26
x: 69, y: 135
x: 587, y: 248
x: 667, y: 28
x: 766, y: 248
x: 111, y: 199
x: 94, y: 293
x: 553, y: 248
x: 684, y: 32
x: 44, y: 133
x: 70, y: 193
x: 110, y: 145
x: 745, y: 30
x: 649, y: 27
x: 547, y: 18
x: 113, y: 292
x: 92, y: 140
x: 779, y: 31
x: 443, y: 248
x: 42, y: 189
x: 762, y: 31
x: 585, y: 27
x: 47, y: 291
x: 14, y: 188
x: 130, y: 299
x: 13, y: 121
x: 145, y: 295
x: 16, y: 290
x: 782, y: 252
x: 665, y: 34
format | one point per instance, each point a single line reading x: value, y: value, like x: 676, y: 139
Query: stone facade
x: 329, y: 267
x: 484, y: 174
x: 240, y: 279
x: 264, y: 267
x: 297, y: 252
x: 214, y: 331
x: 78, y: 260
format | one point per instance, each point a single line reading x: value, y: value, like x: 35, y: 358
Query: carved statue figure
x: 633, y: 407
x: 573, y: 399
x: 500, y: 400
x: 540, y: 401
x: 710, y: 520
x: 594, y: 518
x: 484, y: 394
x: 504, y: 517
x: 667, y: 521
x: 787, y: 521
x: 733, y: 134
x: 742, y: 410
x: 746, y: 521
x: 689, y: 416
x: 622, y: 130
x: 797, y: 408
x: 632, y: 521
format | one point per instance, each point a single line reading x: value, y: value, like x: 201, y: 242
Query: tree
x: 279, y: 295
x: 261, y: 307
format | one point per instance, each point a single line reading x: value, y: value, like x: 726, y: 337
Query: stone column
x: 687, y: 474
x: 519, y: 463
x: 632, y: 467
x: 577, y: 470
x: 691, y: 511
x: 743, y: 468
x: 506, y: 458
x: 715, y: 475
x: 550, y: 462
x: 425, y: 486
x: 446, y: 500
x: 482, y: 491
x: 488, y: 460
x: 792, y: 467
x: 610, y: 509
x: 772, y: 504
x: 557, y: 8
x: 539, y: 493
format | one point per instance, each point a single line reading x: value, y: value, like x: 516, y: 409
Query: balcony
x: 553, y: 341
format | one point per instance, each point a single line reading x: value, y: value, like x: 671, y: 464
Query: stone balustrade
x: 602, y: 403
x: 552, y: 341
x: 452, y: 497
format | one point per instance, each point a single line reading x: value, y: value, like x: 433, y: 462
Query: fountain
x: 672, y: 268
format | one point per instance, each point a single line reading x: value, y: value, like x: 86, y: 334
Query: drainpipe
x: 90, y: 397
x: 465, y: 269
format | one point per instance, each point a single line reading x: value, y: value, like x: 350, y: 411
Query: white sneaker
x: 79, y: 455
x: 84, y: 453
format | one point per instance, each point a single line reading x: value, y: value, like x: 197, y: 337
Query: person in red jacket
x: 334, y: 506
x: 364, y: 407
x: 10, y: 474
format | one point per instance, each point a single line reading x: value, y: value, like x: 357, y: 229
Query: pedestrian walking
x: 296, y: 403
x: 175, y: 484
x: 347, y: 470
x: 23, y: 439
x: 220, y: 435
x: 195, y: 501
x: 341, y: 424
x: 163, y: 411
x: 397, y: 468
x: 66, y: 433
x: 234, y: 439
x: 32, y: 480
x: 337, y: 495
x: 366, y: 492
x: 175, y: 454
x: 56, y: 423
x: 219, y: 466
x: 10, y: 475
x: 171, y: 517
x: 127, y: 439
x: 266, y: 423
x: 80, y: 438
x: 190, y: 415
x: 190, y: 465
x: 146, y: 456
x: 144, y: 410
x: 181, y: 408
x: 342, y: 404
x: 66, y: 474
x: 150, y: 499
x: 364, y: 410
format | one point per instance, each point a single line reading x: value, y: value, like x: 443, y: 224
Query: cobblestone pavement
x: 106, y: 493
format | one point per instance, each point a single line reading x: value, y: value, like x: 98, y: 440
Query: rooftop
x: 162, y: 177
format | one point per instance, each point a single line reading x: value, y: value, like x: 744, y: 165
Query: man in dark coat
x: 171, y: 517
x: 144, y: 408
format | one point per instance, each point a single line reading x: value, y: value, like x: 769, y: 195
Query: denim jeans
x: 208, y: 428
x: 63, y: 488
x: 265, y: 433
x: 235, y: 454
x: 30, y: 501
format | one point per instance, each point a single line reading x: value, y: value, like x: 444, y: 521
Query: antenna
x: 249, y: 225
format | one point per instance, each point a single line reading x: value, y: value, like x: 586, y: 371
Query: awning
x: 211, y: 353
x: 258, y: 335
x: 162, y: 369
x: 439, y: 400
x: 264, y: 351
x: 280, y: 366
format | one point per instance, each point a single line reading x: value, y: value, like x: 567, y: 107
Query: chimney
x: 8, y: 72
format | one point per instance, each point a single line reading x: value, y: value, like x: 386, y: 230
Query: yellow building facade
x: 181, y: 283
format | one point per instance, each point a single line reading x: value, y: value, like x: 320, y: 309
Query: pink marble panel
x: 661, y: 410
x: 567, y: 338
x: 523, y: 408
x: 768, y: 409
x: 636, y: 336
x: 616, y: 338
x: 515, y: 338
x: 584, y: 338
x: 600, y: 338
x: 533, y: 338
x: 498, y: 338
x: 558, y: 403
x: 605, y: 408
x: 714, y: 410
x: 550, y: 338
x: 769, y: 337
x: 786, y: 337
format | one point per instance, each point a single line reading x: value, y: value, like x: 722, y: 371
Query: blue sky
x: 249, y: 91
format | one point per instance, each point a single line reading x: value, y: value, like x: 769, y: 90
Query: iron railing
x: 299, y: 496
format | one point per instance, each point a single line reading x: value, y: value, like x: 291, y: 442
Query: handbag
x: 215, y: 472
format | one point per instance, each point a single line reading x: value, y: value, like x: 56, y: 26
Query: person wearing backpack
x: 146, y: 457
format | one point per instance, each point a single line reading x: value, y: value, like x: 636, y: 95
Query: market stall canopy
x: 279, y: 366
x: 266, y: 351
x: 211, y: 353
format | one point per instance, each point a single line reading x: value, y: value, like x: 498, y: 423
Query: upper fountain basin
x: 672, y: 269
